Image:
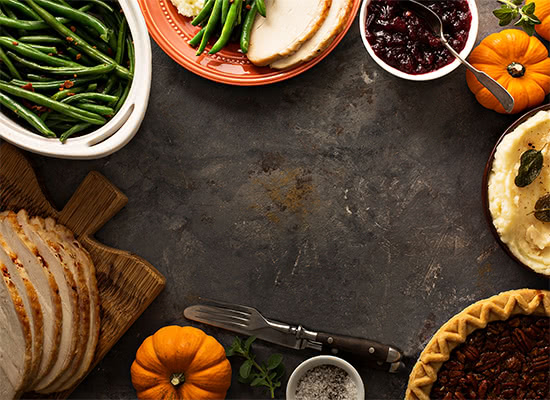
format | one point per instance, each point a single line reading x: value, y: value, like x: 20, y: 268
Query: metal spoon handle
x: 502, y: 95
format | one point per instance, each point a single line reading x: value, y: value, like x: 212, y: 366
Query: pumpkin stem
x: 177, y: 379
x: 515, y: 69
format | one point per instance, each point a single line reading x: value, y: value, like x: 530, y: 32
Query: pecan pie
x: 497, y: 348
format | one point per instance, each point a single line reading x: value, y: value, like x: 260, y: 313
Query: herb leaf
x: 531, y: 165
x: 542, y: 208
x: 510, y: 10
x: 257, y: 374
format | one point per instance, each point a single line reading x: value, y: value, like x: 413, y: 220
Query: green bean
x: 116, y: 93
x: 102, y: 4
x: 227, y: 28
x: 225, y: 10
x: 78, y: 16
x: 204, y: 13
x: 92, y: 87
x: 27, y: 25
x: 42, y: 39
x: 121, y: 41
x: 63, y: 30
x: 74, y: 129
x: 57, y: 117
x: 124, y: 95
x: 239, y: 12
x: 100, y: 44
x: 211, y: 26
x: 52, y: 85
x: 44, y: 49
x: 261, y: 8
x: 131, y: 55
x: 11, y: 14
x: 42, y: 100
x: 96, y: 108
x: 110, y: 83
x: 197, y: 38
x: 247, y: 27
x: 38, y: 78
x: 16, y: 4
x: 90, y: 96
x: 81, y: 71
x: 67, y: 93
x: 27, y: 51
x: 7, y: 62
x: 79, y: 57
x: 26, y: 114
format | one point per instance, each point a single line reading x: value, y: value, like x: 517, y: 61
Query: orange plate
x: 172, y: 33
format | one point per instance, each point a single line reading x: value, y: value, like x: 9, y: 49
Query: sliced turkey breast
x: 44, y: 283
x: 61, y: 249
x: 16, y: 343
x: 334, y: 23
x: 288, y: 25
x: 70, y: 338
x: 29, y: 297
x: 85, y: 263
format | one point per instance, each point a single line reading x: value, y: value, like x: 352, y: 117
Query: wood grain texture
x: 127, y: 284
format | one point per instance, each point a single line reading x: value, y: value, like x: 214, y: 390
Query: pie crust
x: 453, y: 333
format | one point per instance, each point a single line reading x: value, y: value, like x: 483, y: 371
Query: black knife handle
x: 361, y: 348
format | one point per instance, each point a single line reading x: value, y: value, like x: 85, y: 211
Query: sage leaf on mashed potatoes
x: 542, y: 208
x: 531, y: 165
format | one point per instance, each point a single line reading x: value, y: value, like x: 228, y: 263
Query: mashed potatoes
x: 511, y: 206
x: 188, y: 8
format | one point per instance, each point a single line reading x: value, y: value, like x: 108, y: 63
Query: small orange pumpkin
x: 519, y: 62
x: 542, y: 11
x: 181, y: 363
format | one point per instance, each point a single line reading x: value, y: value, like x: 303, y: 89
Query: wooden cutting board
x: 127, y: 283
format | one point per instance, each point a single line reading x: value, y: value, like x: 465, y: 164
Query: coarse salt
x: 326, y: 382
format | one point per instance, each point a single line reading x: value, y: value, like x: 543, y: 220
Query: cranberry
x: 402, y: 39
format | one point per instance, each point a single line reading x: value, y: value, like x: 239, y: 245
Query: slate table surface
x: 344, y: 199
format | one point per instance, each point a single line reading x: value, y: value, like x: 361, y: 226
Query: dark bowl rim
x: 485, y: 187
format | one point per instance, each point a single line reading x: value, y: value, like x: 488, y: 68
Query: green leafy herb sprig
x: 510, y: 10
x: 253, y: 372
x: 531, y: 164
x: 542, y: 208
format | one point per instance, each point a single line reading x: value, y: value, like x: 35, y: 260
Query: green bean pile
x: 232, y: 18
x: 65, y: 68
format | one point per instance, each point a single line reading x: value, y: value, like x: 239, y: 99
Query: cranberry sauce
x: 403, y: 40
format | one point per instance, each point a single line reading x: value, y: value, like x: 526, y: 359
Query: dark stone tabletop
x: 344, y: 199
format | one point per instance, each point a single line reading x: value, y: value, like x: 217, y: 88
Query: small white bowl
x: 447, y: 69
x: 116, y: 133
x: 311, y: 363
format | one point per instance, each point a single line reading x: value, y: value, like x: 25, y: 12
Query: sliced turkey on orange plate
x: 335, y: 22
x: 46, y: 287
x: 288, y: 25
x: 29, y: 297
x: 84, y: 260
x: 16, y: 340
x: 69, y: 291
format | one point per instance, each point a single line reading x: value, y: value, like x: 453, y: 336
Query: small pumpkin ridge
x: 515, y: 69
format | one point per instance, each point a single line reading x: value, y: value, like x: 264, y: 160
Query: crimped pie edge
x: 455, y: 331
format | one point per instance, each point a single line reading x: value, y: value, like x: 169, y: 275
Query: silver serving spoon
x: 436, y: 25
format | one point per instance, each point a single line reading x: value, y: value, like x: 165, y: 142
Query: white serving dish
x: 118, y: 131
x: 316, y: 362
x: 447, y: 69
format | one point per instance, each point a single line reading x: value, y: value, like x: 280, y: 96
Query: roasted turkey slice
x: 288, y: 25
x: 16, y: 339
x: 86, y: 264
x: 68, y: 290
x: 29, y: 297
x: 46, y: 288
x: 334, y: 23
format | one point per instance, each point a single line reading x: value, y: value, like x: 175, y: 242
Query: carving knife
x: 248, y: 321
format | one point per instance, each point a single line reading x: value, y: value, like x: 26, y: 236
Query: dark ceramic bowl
x: 485, y: 186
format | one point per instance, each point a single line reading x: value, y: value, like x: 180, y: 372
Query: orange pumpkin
x: 519, y: 62
x: 542, y: 11
x: 181, y: 363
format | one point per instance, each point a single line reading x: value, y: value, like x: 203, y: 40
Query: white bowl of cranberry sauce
x: 402, y: 44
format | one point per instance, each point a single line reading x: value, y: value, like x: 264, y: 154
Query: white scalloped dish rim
x: 116, y: 133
